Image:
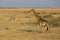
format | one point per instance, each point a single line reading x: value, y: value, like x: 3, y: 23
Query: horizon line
x: 29, y: 7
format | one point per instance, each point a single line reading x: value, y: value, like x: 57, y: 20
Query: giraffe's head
x: 32, y: 10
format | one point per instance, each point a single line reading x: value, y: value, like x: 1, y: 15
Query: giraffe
x: 41, y: 22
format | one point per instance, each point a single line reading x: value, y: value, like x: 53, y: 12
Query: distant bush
x: 27, y: 17
x: 54, y: 13
x: 55, y: 22
x: 58, y: 18
x: 26, y: 11
x: 38, y: 13
x: 47, y: 16
x: 52, y: 21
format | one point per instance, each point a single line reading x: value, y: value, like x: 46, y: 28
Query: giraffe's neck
x: 35, y: 14
x: 37, y: 17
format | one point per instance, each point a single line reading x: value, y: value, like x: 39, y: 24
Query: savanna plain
x: 13, y: 22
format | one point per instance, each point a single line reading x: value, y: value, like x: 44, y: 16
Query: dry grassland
x: 15, y: 21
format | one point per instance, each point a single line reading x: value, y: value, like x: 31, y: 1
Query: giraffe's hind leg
x: 44, y: 27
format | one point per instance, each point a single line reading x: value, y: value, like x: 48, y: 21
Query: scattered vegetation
x: 30, y: 23
x: 54, y: 13
x: 6, y: 28
x: 26, y: 11
x: 30, y: 31
x: 27, y: 17
x: 49, y: 17
x: 55, y: 22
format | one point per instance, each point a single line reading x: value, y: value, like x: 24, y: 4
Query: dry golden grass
x: 10, y: 29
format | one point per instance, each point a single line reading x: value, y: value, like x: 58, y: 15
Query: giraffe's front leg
x: 40, y: 26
